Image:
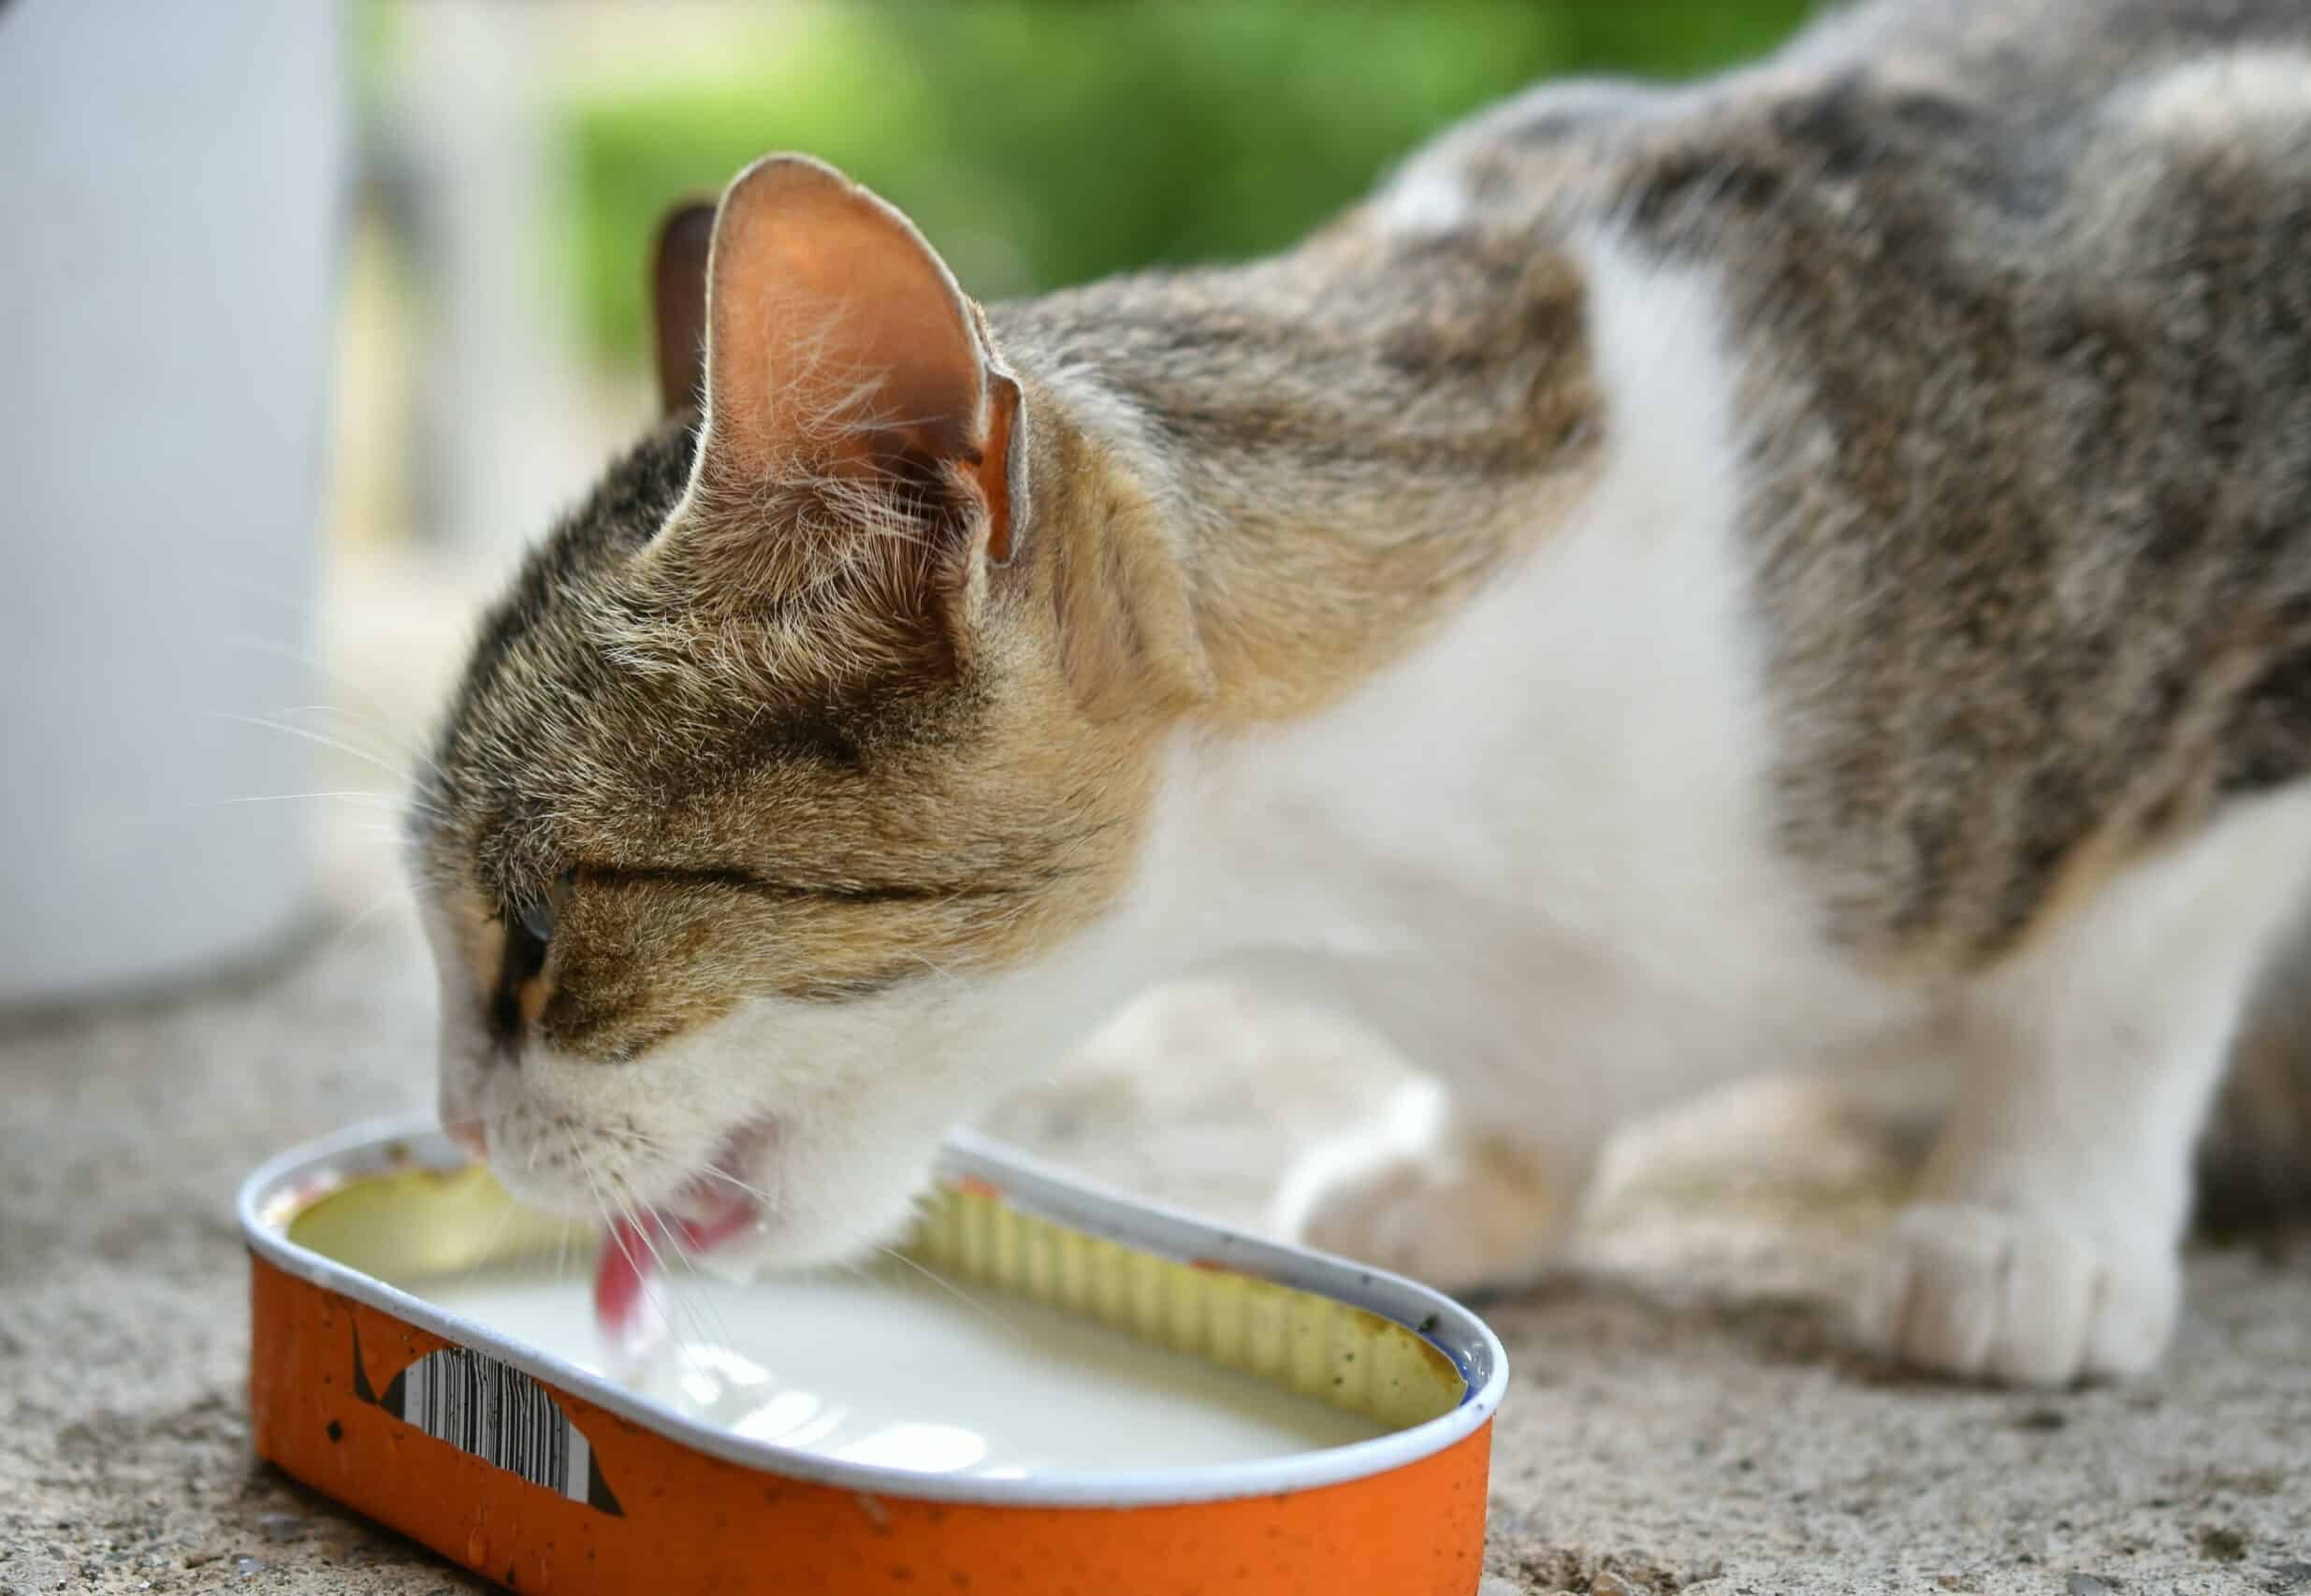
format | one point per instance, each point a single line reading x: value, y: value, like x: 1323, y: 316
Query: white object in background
x: 173, y: 192
x: 512, y: 427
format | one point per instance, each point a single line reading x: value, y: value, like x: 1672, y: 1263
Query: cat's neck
x: 1614, y: 601
x: 1321, y: 461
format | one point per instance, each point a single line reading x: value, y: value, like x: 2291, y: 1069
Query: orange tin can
x: 383, y: 1375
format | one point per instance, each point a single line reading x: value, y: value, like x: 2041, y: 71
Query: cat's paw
x: 1455, y: 1218
x: 1982, y: 1294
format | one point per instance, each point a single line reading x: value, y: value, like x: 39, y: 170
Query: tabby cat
x: 1812, y: 566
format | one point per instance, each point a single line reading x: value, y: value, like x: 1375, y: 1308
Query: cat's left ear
x: 679, y: 304
x: 839, y: 344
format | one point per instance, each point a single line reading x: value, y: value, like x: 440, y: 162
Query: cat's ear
x: 679, y: 304
x: 838, y: 343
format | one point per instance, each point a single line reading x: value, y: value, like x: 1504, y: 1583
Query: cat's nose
x: 471, y: 1136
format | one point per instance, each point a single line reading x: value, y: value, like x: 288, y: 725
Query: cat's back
x: 1993, y: 113
x: 2018, y: 295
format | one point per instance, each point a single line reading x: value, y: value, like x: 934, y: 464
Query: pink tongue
x: 629, y: 1255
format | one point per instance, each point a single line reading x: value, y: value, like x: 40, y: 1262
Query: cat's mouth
x: 712, y: 1210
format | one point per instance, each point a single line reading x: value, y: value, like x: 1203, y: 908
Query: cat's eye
x: 539, y: 916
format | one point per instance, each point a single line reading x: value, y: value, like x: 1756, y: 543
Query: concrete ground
x: 1684, y: 1415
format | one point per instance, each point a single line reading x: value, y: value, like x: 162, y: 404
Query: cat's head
x: 805, y: 762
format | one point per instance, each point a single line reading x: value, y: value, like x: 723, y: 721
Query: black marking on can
x: 492, y: 1411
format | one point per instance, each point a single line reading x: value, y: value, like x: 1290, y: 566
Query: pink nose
x: 470, y: 1135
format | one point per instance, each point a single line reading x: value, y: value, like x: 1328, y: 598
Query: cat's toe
x: 1453, y: 1224
x: 1983, y: 1294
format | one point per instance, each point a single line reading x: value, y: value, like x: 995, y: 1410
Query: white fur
x: 2042, y: 1245
x: 1537, y: 855
x: 1427, y: 199
x: 2221, y: 101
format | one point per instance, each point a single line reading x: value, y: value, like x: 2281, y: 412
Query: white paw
x: 1453, y: 1214
x: 1987, y: 1295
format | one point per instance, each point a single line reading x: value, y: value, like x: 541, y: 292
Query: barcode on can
x: 501, y: 1416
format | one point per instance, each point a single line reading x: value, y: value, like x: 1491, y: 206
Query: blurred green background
x: 1042, y: 144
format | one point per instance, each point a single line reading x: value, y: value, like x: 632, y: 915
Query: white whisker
x: 339, y: 745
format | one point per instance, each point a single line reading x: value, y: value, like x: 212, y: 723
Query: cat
x: 1807, y: 566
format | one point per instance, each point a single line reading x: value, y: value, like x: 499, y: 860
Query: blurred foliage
x: 1043, y: 144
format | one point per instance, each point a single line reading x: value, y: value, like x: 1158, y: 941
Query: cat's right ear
x: 679, y: 304
x: 841, y: 350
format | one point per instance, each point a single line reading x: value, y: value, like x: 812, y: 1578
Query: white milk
x: 899, y: 1369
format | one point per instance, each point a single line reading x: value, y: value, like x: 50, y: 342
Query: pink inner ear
x: 836, y: 337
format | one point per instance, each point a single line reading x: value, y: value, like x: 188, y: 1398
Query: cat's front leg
x: 2044, y: 1244
x: 1429, y: 1194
